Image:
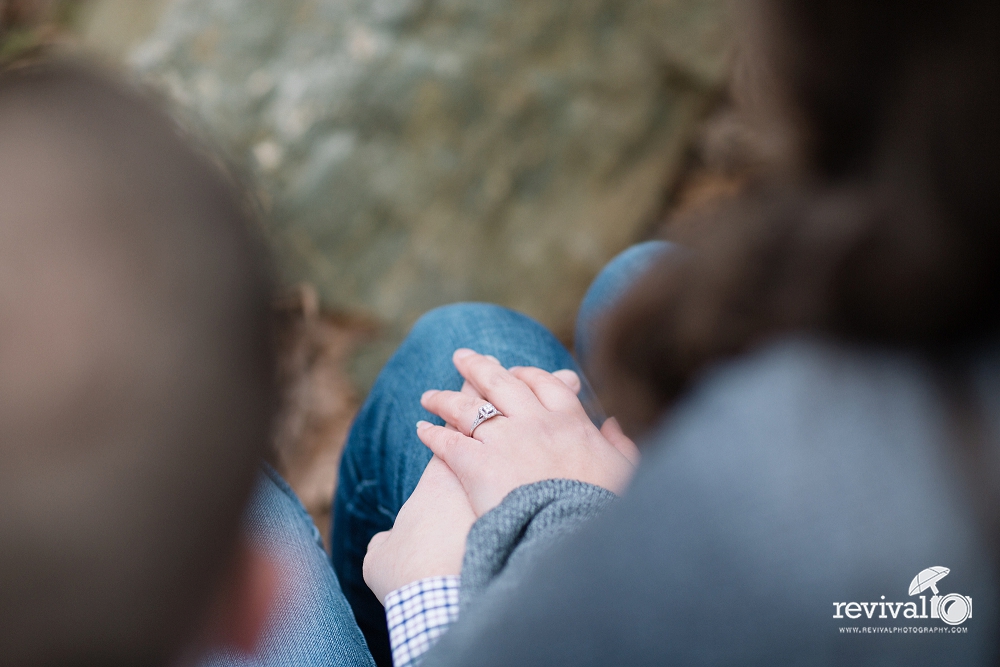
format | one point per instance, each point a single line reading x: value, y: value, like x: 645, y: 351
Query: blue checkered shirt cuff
x: 419, y: 613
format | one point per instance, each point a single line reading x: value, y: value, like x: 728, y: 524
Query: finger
x: 570, y: 379
x: 552, y: 392
x: 495, y: 383
x: 460, y: 452
x: 455, y: 408
x: 469, y: 390
x: 612, y: 430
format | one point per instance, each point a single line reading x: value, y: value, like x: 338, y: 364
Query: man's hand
x: 428, y: 538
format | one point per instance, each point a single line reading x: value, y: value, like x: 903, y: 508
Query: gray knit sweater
x: 508, y: 538
x: 806, y: 475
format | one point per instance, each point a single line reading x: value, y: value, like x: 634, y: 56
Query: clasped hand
x: 544, y: 433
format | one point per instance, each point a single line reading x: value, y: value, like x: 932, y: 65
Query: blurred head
x: 886, y: 228
x: 136, y: 385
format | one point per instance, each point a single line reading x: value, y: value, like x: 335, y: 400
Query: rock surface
x: 413, y: 153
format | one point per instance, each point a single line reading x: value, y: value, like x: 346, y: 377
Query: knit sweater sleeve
x: 502, y: 543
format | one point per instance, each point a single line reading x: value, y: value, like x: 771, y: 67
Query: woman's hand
x: 428, y: 537
x: 544, y: 433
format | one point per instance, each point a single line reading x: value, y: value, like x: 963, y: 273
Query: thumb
x: 612, y: 430
x: 378, y: 539
x: 373, y: 568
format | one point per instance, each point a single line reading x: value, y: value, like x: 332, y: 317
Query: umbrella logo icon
x: 928, y: 579
x: 954, y: 608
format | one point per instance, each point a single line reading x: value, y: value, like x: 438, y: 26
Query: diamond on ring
x: 486, y: 412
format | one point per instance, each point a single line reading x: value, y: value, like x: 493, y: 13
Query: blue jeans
x: 324, y: 619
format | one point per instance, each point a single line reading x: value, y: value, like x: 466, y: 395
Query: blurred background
x: 411, y: 153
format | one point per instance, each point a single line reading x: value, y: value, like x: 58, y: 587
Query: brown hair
x: 887, y: 229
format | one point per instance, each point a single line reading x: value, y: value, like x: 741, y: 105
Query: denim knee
x: 464, y: 316
x: 484, y: 327
x: 610, y: 285
x: 512, y: 337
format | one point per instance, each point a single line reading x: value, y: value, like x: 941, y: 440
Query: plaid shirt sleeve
x: 419, y: 613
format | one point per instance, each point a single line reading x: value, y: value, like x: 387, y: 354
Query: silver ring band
x: 486, y: 412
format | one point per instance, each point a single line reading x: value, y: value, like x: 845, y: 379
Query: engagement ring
x: 486, y: 412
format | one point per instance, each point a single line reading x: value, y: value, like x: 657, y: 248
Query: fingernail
x: 421, y: 425
x: 490, y: 356
x: 427, y: 394
x: 463, y: 352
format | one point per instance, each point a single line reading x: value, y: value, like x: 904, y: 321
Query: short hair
x: 136, y: 372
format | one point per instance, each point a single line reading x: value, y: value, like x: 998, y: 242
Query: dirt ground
x: 319, y: 400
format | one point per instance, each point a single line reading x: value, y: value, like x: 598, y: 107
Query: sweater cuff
x: 528, y: 520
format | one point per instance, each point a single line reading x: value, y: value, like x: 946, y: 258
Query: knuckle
x: 532, y: 373
x: 494, y: 380
x: 453, y: 439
